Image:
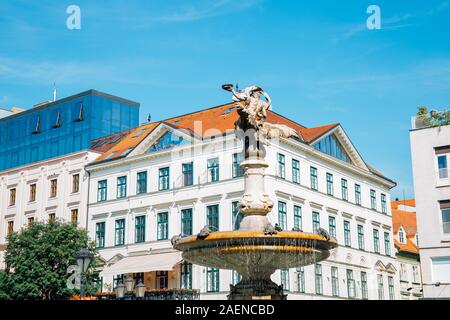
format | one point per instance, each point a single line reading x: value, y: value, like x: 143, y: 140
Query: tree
x: 38, y: 257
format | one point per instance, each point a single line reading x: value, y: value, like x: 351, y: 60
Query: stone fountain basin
x: 254, y: 254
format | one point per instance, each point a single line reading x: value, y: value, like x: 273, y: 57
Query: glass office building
x: 62, y: 127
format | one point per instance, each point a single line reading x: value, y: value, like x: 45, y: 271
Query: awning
x: 143, y: 263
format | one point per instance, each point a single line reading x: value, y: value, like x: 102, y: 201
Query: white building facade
x: 430, y: 149
x: 42, y: 191
x: 175, y: 181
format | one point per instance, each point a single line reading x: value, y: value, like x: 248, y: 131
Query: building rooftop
x: 424, y: 119
x: 403, y: 218
x: 206, y: 123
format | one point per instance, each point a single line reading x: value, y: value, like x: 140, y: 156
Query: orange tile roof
x: 209, y: 122
x: 406, y: 220
x: 408, y: 203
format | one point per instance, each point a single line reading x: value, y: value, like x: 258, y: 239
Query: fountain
x: 258, y: 248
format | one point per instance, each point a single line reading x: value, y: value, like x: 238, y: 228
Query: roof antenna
x: 54, y: 91
x: 149, y: 117
x: 237, y: 86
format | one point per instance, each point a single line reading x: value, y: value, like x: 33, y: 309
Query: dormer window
x: 37, y: 126
x: 79, y: 112
x: 56, y: 119
x: 401, y: 236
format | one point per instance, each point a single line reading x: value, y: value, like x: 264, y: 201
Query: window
x: 236, y: 215
x: 443, y: 167
x: 163, y: 183
x: 100, y: 234
x: 53, y: 188
x: 331, y: 146
x: 186, y: 275
x: 163, y: 226
x: 347, y: 239
x: 313, y: 172
x: 364, y: 289
x: 316, y: 221
x: 213, y: 170
x: 12, y: 197
x: 141, y: 182
x: 10, y: 227
x: 298, y: 217
x: 139, y: 235
x: 30, y: 221
x: 376, y: 241
x: 75, y: 183
x: 301, y: 279
x: 361, y: 237
x: 403, y: 272
x: 282, y: 223
x: 332, y: 226
x: 79, y: 112
x: 167, y: 141
x: 119, y: 232
x: 445, y: 211
x: 32, y: 192
x: 330, y: 188
x: 295, y: 171
x: 318, y: 279
x: 380, y: 287
x: 401, y: 236
x: 162, y: 279
x: 121, y: 187
x: 387, y: 244
x: 212, y: 280
x: 416, y: 274
x: 373, y: 200
x: 440, y: 269
x: 281, y: 166
x: 383, y: 203
x: 351, y: 284
x: 74, y: 216
x: 344, y: 189
x: 51, y: 217
x: 101, y: 190
x: 188, y: 174
x: 391, y: 288
x: 334, y: 281
x: 212, y: 217
x: 284, y: 275
x: 358, y: 194
x: 237, y: 170
x: 236, y: 277
x: 186, y: 222
x: 118, y: 279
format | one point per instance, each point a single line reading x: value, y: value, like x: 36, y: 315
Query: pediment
x: 380, y: 266
x: 163, y: 137
x: 337, y: 144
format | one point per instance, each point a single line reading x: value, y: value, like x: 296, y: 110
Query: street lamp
x: 129, y: 284
x: 140, y: 290
x: 120, y: 291
x: 84, y: 258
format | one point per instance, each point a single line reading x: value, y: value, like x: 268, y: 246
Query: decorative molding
x: 235, y: 194
x: 332, y: 210
x: 298, y: 199
x: 282, y: 194
x: 360, y: 219
x: 347, y: 215
x: 315, y: 205
x: 213, y: 198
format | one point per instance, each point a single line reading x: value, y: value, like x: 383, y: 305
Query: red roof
x: 407, y: 221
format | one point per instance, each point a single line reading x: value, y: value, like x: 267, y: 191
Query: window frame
x: 100, y: 232
x: 330, y: 184
x: 121, y: 191
x: 188, y: 175
x: 314, y: 185
x: 347, y: 234
x: 213, y: 216
x: 141, y: 182
x: 162, y: 226
x: 102, y: 190
x: 164, y: 179
x: 186, y: 222
x: 139, y: 229
x: 213, y: 169
x: 358, y: 194
x: 282, y: 215
x: 119, y: 232
x: 296, y: 171
x: 281, y: 166
x: 76, y: 183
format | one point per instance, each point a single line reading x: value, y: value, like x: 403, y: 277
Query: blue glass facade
x: 62, y: 127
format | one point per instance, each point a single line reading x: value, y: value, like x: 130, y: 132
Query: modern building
x: 173, y: 177
x: 430, y: 150
x: 65, y: 126
x: 8, y: 112
x: 406, y: 241
x: 42, y: 174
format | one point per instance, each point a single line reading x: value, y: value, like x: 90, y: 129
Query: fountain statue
x: 257, y: 249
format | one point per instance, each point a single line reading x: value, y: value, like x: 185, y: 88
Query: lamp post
x: 84, y: 258
x: 140, y: 290
x: 120, y: 290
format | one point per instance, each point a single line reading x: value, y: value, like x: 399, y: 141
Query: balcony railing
x: 163, y: 294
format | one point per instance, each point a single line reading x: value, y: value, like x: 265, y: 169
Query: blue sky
x: 317, y: 60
